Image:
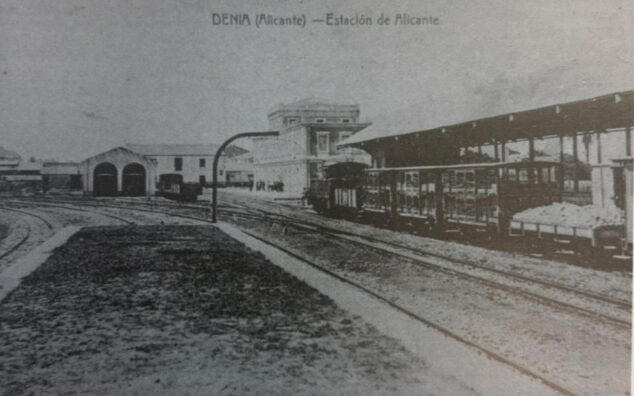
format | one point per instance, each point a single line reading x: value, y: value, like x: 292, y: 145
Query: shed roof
x: 615, y: 110
x: 460, y: 166
x: 59, y: 168
x: 121, y: 149
x: 184, y: 149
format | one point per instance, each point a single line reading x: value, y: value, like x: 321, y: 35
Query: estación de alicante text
x: 398, y: 19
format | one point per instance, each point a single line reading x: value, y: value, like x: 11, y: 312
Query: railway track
x: 518, y: 276
x: 371, y: 243
x: 550, y: 293
x: 260, y: 217
x: 489, y: 353
x: 150, y: 208
x: 509, y: 285
x: 27, y: 235
x: 53, y: 205
x: 504, y: 285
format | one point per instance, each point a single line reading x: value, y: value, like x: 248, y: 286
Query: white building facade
x: 193, y: 162
x: 135, y: 169
x: 310, y: 130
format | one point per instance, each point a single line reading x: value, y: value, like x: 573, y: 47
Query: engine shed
x: 119, y: 171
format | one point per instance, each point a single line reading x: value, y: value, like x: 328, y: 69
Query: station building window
x: 202, y: 162
x: 320, y: 120
x: 178, y: 164
x: 343, y: 135
x: 323, y: 143
x: 202, y: 180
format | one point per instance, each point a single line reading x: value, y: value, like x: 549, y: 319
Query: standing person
x: 305, y: 196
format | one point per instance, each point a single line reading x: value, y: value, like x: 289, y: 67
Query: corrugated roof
x: 184, y: 149
x: 395, y: 126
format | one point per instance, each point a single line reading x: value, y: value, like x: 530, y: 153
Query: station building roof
x: 614, y: 110
x: 313, y: 104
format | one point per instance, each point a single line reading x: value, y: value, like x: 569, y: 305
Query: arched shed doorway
x: 134, y: 180
x: 105, y: 180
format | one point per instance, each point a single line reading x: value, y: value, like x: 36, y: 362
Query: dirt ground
x: 188, y: 310
x: 4, y: 231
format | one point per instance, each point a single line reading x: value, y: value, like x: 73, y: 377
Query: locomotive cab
x: 339, y: 193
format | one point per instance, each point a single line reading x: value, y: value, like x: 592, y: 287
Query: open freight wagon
x: 608, y: 227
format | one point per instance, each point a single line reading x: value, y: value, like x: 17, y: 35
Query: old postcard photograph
x: 292, y: 197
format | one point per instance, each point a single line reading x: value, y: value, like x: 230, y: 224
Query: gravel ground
x: 580, y: 353
x: 10, y: 226
x: 21, y: 226
x: 187, y: 310
x: 614, y: 283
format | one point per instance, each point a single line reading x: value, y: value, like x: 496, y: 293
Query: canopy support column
x: 531, y: 149
x: 599, y: 159
x: 561, y: 160
x: 575, y: 155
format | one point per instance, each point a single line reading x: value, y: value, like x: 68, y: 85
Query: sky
x: 79, y: 77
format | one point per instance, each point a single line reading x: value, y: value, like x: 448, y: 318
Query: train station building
x: 310, y: 130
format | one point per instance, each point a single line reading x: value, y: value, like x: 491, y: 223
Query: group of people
x: 271, y: 186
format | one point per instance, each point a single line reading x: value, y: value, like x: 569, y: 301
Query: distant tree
x: 583, y: 170
x: 538, y: 153
x: 473, y: 157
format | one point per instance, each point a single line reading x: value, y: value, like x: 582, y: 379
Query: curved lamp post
x: 214, y: 204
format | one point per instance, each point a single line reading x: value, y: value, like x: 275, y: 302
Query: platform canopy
x: 611, y: 111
